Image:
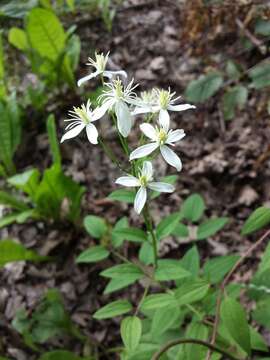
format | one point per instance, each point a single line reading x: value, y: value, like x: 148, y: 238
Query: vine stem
x: 173, y: 343
x: 225, y: 282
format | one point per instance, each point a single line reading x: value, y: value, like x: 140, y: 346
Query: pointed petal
x: 123, y: 115
x: 176, y: 135
x: 147, y: 170
x: 140, y: 200
x: 170, y: 157
x: 111, y: 74
x: 73, y: 132
x: 100, y: 111
x: 149, y: 131
x: 88, y: 77
x: 161, y: 187
x: 143, y: 151
x: 92, y: 133
x: 164, y: 119
x: 141, y: 110
x: 129, y: 181
x: 181, y: 107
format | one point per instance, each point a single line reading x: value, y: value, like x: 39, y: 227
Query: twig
x: 172, y: 343
x: 256, y: 42
x: 225, y: 282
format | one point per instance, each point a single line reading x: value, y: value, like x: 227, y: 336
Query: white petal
x: 88, y: 77
x: 141, y: 110
x: 149, y: 131
x: 181, y: 107
x: 140, y: 199
x: 123, y: 115
x: 147, y: 170
x: 176, y: 135
x: 161, y: 187
x: 128, y: 181
x: 92, y: 133
x: 100, y: 111
x: 143, y: 151
x: 170, y: 157
x: 110, y: 74
x: 73, y: 132
x: 164, y: 119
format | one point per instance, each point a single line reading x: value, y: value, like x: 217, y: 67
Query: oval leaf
x: 193, y: 207
x: 257, y: 220
x: 93, y: 254
x: 131, y: 331
x: 113, y: 309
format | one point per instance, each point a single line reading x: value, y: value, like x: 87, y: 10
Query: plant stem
x: 172, y: 343
x: 142, y: 299
x: 225, y: 282
x: 109, y: 153
x: 149, y: 226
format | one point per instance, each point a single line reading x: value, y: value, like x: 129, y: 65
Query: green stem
x: 150, y: 229
x: 142, y: 299
x: 109, y: 153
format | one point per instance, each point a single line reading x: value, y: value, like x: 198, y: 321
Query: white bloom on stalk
x: 160, y: 138
x: 116, y: 98
x: 82, y: 118
x: 144, y: 181
x: 100, y: 65
x: 163, y: 102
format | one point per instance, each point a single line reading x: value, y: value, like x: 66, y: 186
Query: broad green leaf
x: 12, y: 201
x: 234, y: 319
x: 95, y: 226
x: 211, y: 227
x: 27, y: 181
x: 18, y: 38
x: 144, y: 351
x: 53, y: 140
x: 115, y: 238
x: 122, y: 270
x: 196, y: 331
x: 146, y: 254
x: 16, y: 9
x: 234, y: 98
x: 157, y: 301
x: 257, y: 341
x: 203, y: 88
x: 191, y: 291
x: 61, y: 355
x: 131, y: 234
x: 193, y: 207
x: 181, y: 231
x: 168, y: 225
x: 257, y: 220
x: 45, y: 32
x: 93, y: 254
x: 163, y: 319
x: 123, y: 195
x: 191, y: 261
x: 131, y: 331
x: 113, y: 309
x: 265, y: 260
x: 170, y: 270
x: 11, y: 251
x: 262, y: 27
x: 260, y: 75
x: 215, y: 269
x: 119, y: 283
x: 233, y: 70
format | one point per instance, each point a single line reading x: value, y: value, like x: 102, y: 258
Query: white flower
x: 144, y: 181
x: 100, y: 65
x: 116, y: 98
x: 161, y: 137
x: 82, y: 117
x: 163, y: 101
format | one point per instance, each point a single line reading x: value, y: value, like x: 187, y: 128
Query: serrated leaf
x: 193, y: 207
x: 170, y: 270
x: 131, y: 331
x: 206, y: 86
x: 123, y: 195
x: 93, y: 254
x: 191, y: 291
x: 210, y: 227
x: 115, y: 308
x: 168, y: 225
x: 257, y: 220
x: 95, y: 226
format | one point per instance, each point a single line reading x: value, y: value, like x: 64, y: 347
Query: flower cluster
x: 121, y: 102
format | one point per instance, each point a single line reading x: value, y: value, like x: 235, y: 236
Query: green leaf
x: 191, y: 291
x: 257, y: 220
x: 95, y: 226
x: 257, y: 341
x: 260, y: 75
x: 233, y: 70
x: 122, y: 270
x: 131, y: 332
x: 61, y: 355
x: 203, y: 88
x: 115, y: 308
x: 18, y: 38
x: 116, y: 239
x: 12, y: 201
x: 170, y: 270
x: 265, y: 260
x: 196, y: 331
x: 233, y: 98
x: 119, y: 283
x: 45, y: 32
x: 11, y: 251
x: 53, y: 140
x: 168, y: 225
x: 191, y: 261
x: 262, y: 27
x: 215, y: 269
x: 146, y: 254
x: 163, y: 319
x: 27, y: 181
x: 193, y: 207
x: 234, y: 319
x: 157, y: 301
x: 211, y: 227
x: 93, y: 254
x: 123, y: 195
x: 131, y: 234
x: 181, y: 230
